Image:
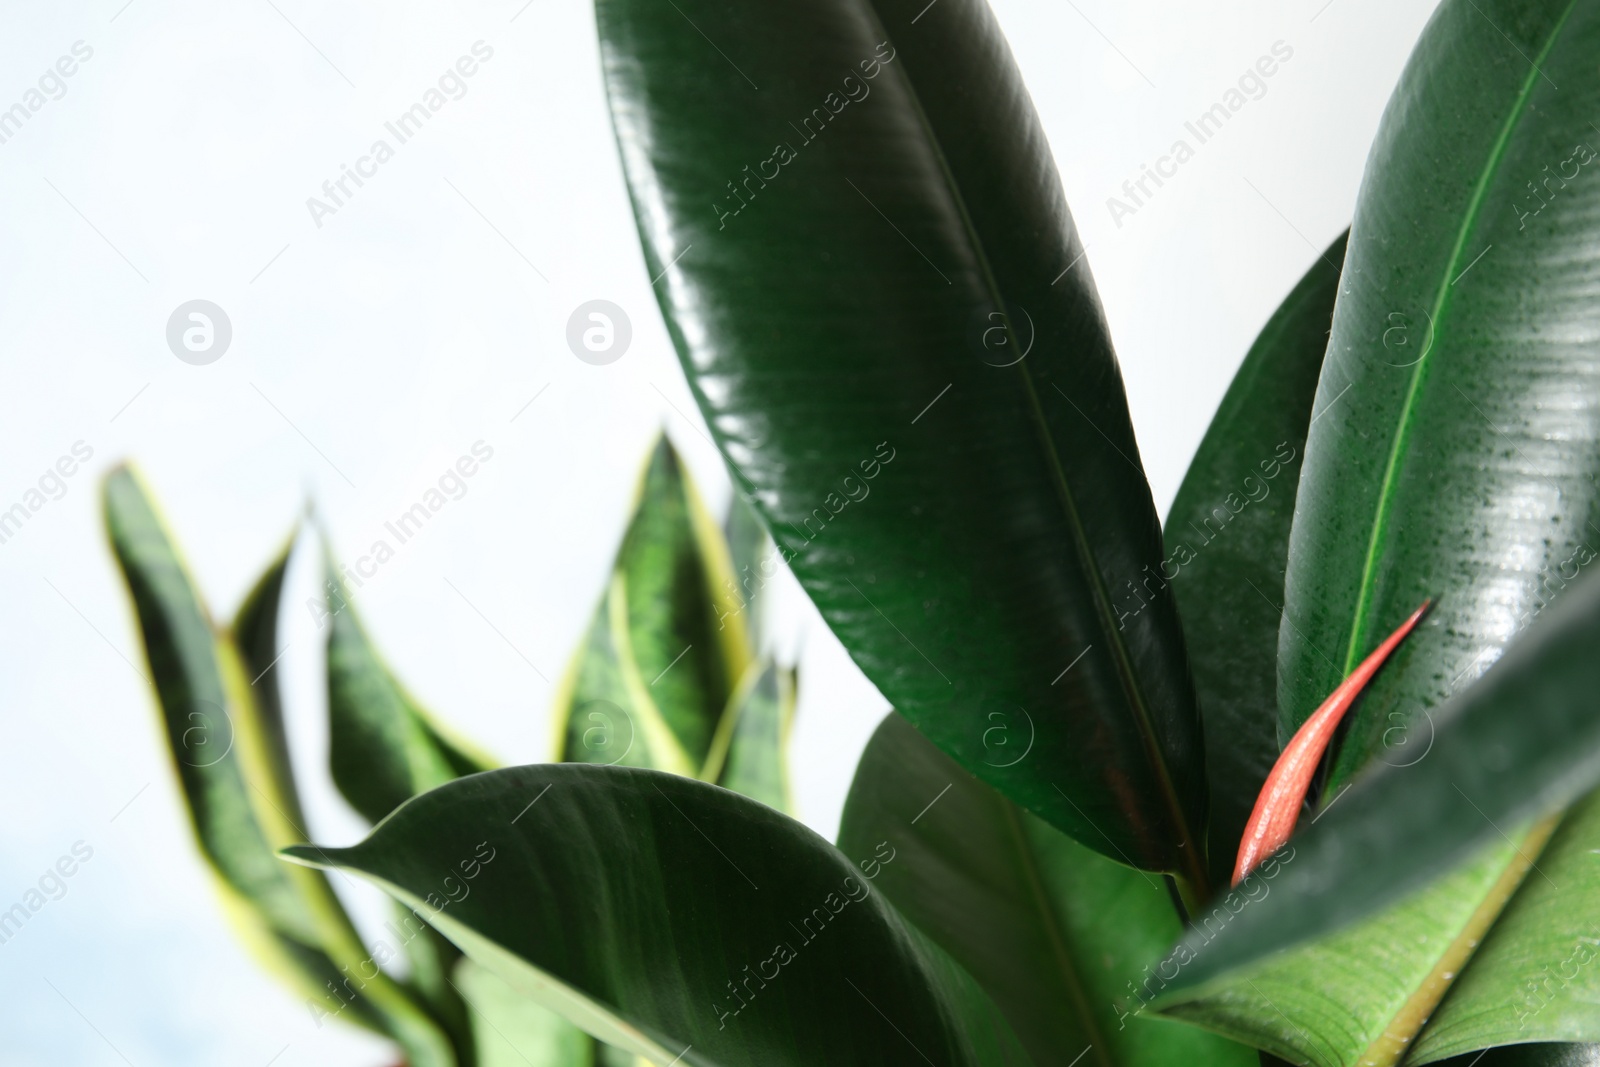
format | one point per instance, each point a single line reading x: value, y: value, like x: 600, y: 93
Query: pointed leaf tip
x: 1278, y: 807
x: 308, y: 856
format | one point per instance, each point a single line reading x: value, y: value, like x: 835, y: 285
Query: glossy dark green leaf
x: 1521, y: 742
x: 383, y: 748
x: 749, y: 754
x: 677, y: 921
x: 1055, y: 932
x: 1227, y: 541
x: 1443, y: 465
x: 875, y: 287
x: 221, y: 754
x: 1457, y: 453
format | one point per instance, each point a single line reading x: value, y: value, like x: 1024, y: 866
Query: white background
x: 373, y: 351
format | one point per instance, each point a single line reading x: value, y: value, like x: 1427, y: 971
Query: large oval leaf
x: 1458, y: 455
x: 1056, y: 933
x: 876, y: 290
x: 677, y: 920
x: 1227, y: 541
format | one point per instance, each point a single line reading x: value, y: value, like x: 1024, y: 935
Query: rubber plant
x: 1216, y: 794
x: 676, y: 581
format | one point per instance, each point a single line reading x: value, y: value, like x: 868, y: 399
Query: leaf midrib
x: 1362, y: 620
x: 1400, y: 1033
x: 1188, y: 847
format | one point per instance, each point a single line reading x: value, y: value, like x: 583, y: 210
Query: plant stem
x: 1187, y: 897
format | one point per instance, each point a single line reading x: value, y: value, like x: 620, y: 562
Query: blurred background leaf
x: 227, y: 766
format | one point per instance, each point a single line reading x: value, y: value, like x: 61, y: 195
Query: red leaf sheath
x: 1283, y: 795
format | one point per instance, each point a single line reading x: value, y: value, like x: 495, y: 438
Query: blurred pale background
x: 423, y: 316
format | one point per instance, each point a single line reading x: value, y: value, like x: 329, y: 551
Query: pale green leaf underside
x: 1537, y: 975
x: 510, y: 1030
x: 1330, y: 1001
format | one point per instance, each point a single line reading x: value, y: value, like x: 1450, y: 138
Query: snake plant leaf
x: 255, y: 635
x: 1521, y: 742
x: 755, y: 562
x: 512, y: 1031
x: 187, y: 670
x: 606, y: 712
x: 1055, y: 932
x: 1535, y: 978
x: 221, y: 754
x: 876, y: 290
x: 1455, y: 450
x: 383, y: 748
x: 748, y: 753
x: 679, y: 583
x: 677, y: 921
x: 1227, y: 541
x: 664, y: 650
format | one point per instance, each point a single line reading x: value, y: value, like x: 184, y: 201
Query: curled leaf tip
x: 1278, y: 807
